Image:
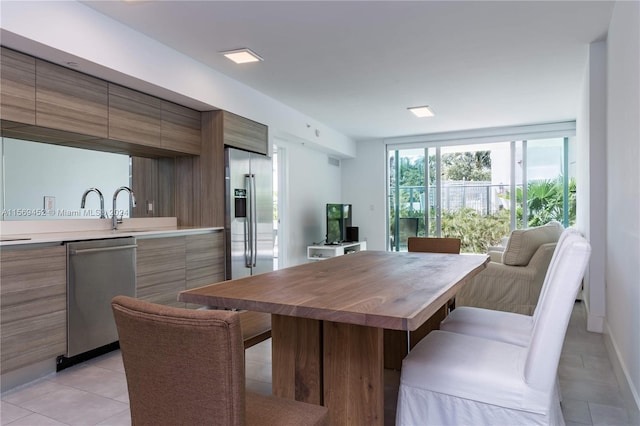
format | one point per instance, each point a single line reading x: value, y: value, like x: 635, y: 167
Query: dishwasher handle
x: 97, y: 250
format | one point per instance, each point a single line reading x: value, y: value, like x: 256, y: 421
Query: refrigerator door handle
x: 248, y: 224
x: 254, y: 221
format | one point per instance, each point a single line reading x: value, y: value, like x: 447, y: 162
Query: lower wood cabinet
x: 161, y: 269
x: 166, y: 266
x: 205, y: 259
x: 33, y: 319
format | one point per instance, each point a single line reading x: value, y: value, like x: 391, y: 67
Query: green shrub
x: 476, y: 231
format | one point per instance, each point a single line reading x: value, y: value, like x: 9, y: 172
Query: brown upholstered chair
x: 396, y: 341
x: 186, y: 367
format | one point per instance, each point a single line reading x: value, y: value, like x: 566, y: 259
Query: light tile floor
x: 95, y: 392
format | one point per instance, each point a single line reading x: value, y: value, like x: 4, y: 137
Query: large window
x: 479, y: 191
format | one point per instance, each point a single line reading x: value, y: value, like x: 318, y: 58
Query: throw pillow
x: 523, y: 243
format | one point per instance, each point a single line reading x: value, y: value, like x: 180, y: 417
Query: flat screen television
x: 338, y: 219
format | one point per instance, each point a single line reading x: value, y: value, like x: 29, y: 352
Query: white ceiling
x: 356, y: 66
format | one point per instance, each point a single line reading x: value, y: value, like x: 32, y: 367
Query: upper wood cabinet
x: 133, y: 116
x: 33, y: 324
x: 180, y: 128
x: 245, y: 134
x: 71, y: 101
x: 17, y: 87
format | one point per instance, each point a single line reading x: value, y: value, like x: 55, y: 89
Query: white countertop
x: 50, y: 231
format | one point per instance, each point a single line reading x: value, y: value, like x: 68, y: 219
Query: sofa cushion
x: 523, y: 243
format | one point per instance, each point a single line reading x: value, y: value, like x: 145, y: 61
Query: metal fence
x: 483, y: 197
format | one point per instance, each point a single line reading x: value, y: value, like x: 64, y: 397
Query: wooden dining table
x: 328, y: 319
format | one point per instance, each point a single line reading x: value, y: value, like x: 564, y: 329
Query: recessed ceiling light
x: 242, y: 56
x: 422, y: 111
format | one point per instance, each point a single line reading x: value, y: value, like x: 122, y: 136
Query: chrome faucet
x: 114, y: 216
x: 84, y: 200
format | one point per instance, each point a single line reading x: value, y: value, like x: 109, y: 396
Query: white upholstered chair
x: 508, y: 327
x: 456, y: 379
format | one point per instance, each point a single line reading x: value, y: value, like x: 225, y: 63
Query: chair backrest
x: 433, y: 245
x: 549, y: 329
x: 545, y: 285
x: 182, y: 366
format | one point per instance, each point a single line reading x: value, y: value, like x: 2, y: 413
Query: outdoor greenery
x: 467, y: 166
x: 477, y: 231
x: 545, y: 202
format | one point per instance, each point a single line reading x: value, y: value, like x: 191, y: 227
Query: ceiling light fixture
x: 242, y: 56
x: 421, y: 111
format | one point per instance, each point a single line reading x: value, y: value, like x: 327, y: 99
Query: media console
x: 326, y: 251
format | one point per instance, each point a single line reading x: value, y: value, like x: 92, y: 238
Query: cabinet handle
x: 96, y: 250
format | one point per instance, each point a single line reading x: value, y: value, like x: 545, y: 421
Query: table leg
x: 297, y: 358
x: 353, y: 374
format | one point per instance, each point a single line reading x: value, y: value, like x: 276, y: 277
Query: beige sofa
x: 513, y: 278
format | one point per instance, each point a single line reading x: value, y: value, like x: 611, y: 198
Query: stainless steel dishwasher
x: 97, y: 271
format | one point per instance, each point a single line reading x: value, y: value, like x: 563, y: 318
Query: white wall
x: 623, y: 191
x: 312, y: 183
x: 63, y: 31
x: 591, y: 174
x: 33, y: 170
x: 363, y: 185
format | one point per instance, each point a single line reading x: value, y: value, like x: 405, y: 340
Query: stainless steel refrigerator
x: 249, y: 213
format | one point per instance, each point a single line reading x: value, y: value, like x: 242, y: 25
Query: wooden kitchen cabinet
x: 71, y: 101
x: 168, y: 265
x: 33, y: 321
x: 205, y: 259
x: 161, y: 269
x: 180, y: 129
x: 246, y: 134
x: 17, y: 87
x: 133, y: 116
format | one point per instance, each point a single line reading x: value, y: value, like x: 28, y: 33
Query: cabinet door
x: 17, y: 87
x: 205, y: 259
x: 133, y: 116
x: 245, y: 134
x: 181, y: 129
x: 160, y: 273
x: 33, y: 324
x: 70, y: 101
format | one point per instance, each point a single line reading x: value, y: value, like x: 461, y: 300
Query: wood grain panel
x: 161, y: 287
x: 256, y: 327
x: 144, y: 183
x: 246, y: 134
x: 33, y: 305
x: 297, y: 358
x: 395, y: 341
x: 347, y: 377
x: 166, y: 201
x: 211, y: 170
x: 205, y: 259
x: 180, y: 129
x: 71, y: 101
x: 17, y: 87
x: 161, y: 269
x: 153, y: 181
x: 133, y: 116
x: 187, y: 200
x: 391, y: 290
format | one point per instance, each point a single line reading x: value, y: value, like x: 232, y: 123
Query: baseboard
x: 24, y: 375
x: 627, y: 388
